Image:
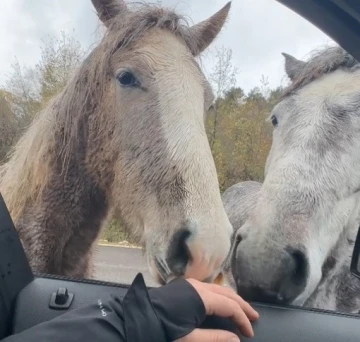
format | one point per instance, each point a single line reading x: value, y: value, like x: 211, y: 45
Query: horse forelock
x: 322, y: 61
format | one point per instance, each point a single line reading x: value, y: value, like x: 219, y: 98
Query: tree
x: 28, y: 89
x: 243, y: 136
x: 8, y: 124
x: 59, y: 58
x: 22, y: 84
x: 234, y: 94
x: 223, y: 78
x: 32, y: 87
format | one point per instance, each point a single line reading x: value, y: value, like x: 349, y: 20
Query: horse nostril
x: 236, y: 240
x: 179, y: 255
x: 296, y: 274
x: 300, y: 267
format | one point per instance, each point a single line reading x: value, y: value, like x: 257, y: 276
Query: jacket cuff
x: 179, y: 307
x: 140, y: 320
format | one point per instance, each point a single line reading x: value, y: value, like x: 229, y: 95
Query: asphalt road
x: 120, y: 265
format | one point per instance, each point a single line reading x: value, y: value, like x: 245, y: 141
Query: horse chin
x: 300, y: 301
x: 217, y: 280
x: 303, y: 298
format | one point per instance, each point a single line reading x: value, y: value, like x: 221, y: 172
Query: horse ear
x: 203, y: 33
x: 292, y: 65
x: 108, y: 9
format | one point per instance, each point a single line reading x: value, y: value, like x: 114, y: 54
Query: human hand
x: 223, y: 302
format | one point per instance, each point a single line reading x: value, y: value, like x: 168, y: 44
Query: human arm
x: 162, y: 314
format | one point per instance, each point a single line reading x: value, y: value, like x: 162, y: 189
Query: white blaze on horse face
x: 185, y: 228
x: 182, y: 106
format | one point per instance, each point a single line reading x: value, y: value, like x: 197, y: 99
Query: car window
x: 133, y: 140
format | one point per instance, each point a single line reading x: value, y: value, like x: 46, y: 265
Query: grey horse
x: 294, y: 234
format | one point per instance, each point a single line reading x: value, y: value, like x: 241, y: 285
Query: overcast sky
x: 257, y: 32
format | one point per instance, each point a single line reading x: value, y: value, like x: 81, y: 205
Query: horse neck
x: 60, y: 228
x: 338, y: 290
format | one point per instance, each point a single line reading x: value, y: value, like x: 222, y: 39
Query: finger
x: 250, y: 312
x: 202, y: 335
x: 222, y: 306
x: 230, y: 293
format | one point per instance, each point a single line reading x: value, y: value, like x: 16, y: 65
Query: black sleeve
x: 160, y: 315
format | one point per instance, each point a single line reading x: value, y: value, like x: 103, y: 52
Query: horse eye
x: 274, y: 121
x: 127, y: 79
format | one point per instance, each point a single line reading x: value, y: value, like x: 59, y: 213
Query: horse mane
x: 60, y: 128
x: 321, y: 62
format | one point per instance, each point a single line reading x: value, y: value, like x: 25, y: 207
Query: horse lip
x: 259, y: 295
x: 219, y: 279
x: 161, y: 273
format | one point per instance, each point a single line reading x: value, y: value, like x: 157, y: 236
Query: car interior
x: 29, y: 299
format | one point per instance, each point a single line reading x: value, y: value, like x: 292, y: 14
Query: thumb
x: 207, y: 335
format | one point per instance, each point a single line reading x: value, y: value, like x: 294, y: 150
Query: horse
x: 126, y: 135
x: 294, y: 233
